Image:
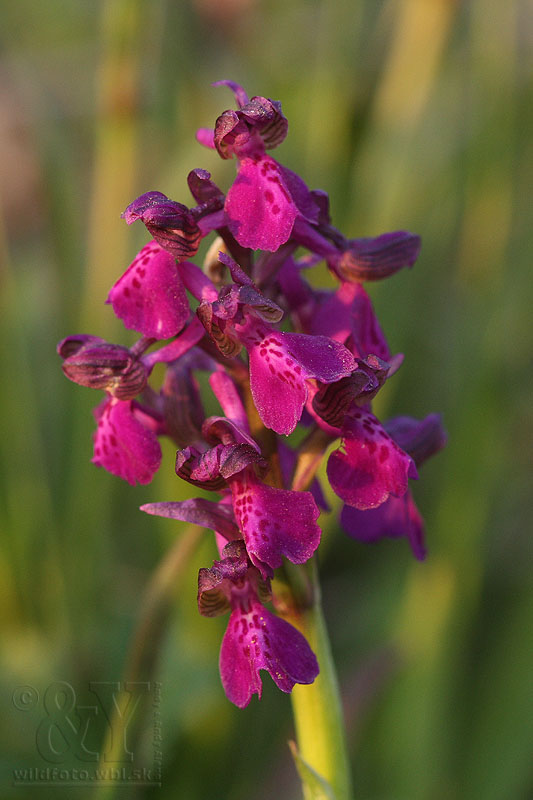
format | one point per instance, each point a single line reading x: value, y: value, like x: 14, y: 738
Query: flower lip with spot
x: 125, y: 443
x: 255, y: 639
x: 274, y: 522
x: 280, y: 364
x: 150, y: 296
x: 264, y: 202
x: 372, y: 466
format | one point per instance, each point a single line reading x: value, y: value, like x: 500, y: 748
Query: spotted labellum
x: 280, y: 356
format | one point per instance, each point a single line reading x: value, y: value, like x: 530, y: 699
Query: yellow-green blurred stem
x: 318, y: 716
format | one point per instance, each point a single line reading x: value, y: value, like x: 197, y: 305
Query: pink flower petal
x: 206, y: 137
x: 255, y: 639
x: 123, y: 445
x: 259, y: 206
x: 372, y: 467
x: 274, y: 522
x: 150, y: 296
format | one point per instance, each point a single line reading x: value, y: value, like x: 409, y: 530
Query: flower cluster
x: 280, y: 354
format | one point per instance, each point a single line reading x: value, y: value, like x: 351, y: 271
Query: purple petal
x: 150, y: 296
x: 397, y: 516
x: 333, y: 316
x: 229, y: 398
x: 372, y: 466
x: 259, y: 206
x: 374, y: 259
x: 123, y: 445
x: 255, y: 639
x: 320, y: 357
x: 239, y: 93
x: 420, y: 438
x: 206, y: 137
x: 181, y: 345
x: 202, y: 187
x: 278, y: 388
x: 198, y: 511
x: 197, y: 283
x: 238, y: 275
x: 275, y: 522
x: 280, y: 363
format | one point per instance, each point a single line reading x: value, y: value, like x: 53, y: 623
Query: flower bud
x: 170, y: 223
x: 106, y: 366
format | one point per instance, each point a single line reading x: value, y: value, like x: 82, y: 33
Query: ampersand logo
x: 63, y: 730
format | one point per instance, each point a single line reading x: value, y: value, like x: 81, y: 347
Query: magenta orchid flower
x: 255, y: 638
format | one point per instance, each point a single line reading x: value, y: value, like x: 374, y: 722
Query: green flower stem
x: 317, y: 709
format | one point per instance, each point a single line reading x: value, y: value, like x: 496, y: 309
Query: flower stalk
x: 317, y: 709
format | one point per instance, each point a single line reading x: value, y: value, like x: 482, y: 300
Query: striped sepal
x: 374, y: 259
x: 211, y: 602
x: 226, y: 344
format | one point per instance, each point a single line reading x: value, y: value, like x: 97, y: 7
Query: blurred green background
x: 412, y: 114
